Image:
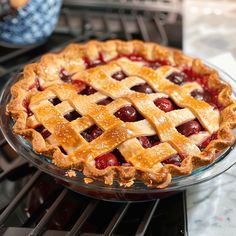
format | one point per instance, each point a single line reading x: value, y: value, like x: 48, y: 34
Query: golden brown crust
x: 71, y: 59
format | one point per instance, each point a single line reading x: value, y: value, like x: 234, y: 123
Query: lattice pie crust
x: 40, y: 82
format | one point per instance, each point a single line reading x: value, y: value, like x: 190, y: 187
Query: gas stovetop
x: 27, y: 206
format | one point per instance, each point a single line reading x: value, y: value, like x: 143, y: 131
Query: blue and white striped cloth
x: 32, y: 24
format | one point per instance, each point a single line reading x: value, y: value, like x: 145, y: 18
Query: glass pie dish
x: 138, y: 191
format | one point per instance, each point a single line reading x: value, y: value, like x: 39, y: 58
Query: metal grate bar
x: 83, y: 217
x: 146, y: 218
x: 185, y: 212
x: 21, y: 231
x: 161, y: 30
x: 91, y: 234
x: 142, y: 28
x: 85, y: 22
x: 8, y: 168
x: 116, y: 219
x: 105, y: 23
x: 16, y: 53
x: 68, y: 22
x: 4, y: 164
x: 123, y: 26
x: 138, y: 6
x: 40, y: 227
x: 11, y: 207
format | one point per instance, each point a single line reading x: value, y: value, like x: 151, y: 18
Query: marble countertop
x: 209, y: 27
x: 212, y: 206
x: 209, y: 31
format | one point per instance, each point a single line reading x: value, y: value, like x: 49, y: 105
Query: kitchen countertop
x: 209, y: 30
x: 209, y: 27
x: 211, y: 206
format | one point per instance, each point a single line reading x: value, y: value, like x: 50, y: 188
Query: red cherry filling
x: 174, y: 160
x: 80, y: 85
x: 135, y: 57
x: 119, y: 156
x: 86, y: 136
x: 154, y: 65
x: 208, y: 95
x: 189, y: 128
x: 63, y: 150
x: 120, y: 75
x: 91, y: 133
x: 156, y: 143
x: 177, y: 78
x: 142, y: 88
x: 64, y: 76
x: 154, y: 140
x: 25, y: 104
x: 105, y: 101
x: 94, y: 63
x: 214, y: 100
x: 144, y: 142
x: 73, y: 115
x: 127, y: 114
x: 55, y: 101
x: 36, y: 85
x: 126, y: 164
x: 202, y: 95
x: 43, y: 131
x: 191, y: 76
x: 205, y: 143
x: 106, y: 160
x: 164, y: 104
x: 88, y: 91
x: 96, y: 133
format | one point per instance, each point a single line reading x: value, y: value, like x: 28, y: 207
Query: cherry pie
x: 124, y: 110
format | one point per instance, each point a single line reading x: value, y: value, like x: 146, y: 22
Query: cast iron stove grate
x: 26, y: 205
